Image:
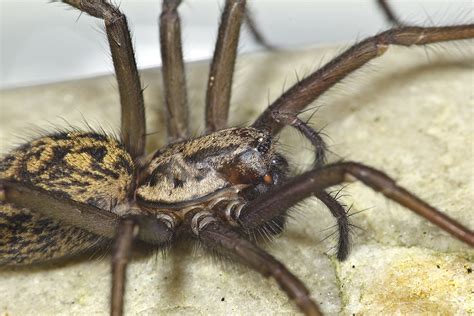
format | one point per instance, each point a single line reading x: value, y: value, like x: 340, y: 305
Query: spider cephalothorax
x: 70, y: 191
x: 216, y: 172
x: 193, y: 169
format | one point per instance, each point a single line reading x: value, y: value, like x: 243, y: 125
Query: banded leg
x: 133, y: 127
x: 307, y: 90
x: 219, y: 84
x: 218, y: 237
x: 174, y: 79
x: 276, y: 202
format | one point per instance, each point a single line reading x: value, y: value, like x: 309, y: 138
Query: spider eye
x: 263, y: 145
x: 268, y: 179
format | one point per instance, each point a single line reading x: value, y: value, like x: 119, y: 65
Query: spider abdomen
x: 85, y: 167
x: 27, y: 237
x: 82, y: 166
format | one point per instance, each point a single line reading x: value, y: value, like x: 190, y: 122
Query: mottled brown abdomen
x: 82, y: 166
x: 26, y: 238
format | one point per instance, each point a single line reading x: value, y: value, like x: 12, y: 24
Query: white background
x: 46, y: 42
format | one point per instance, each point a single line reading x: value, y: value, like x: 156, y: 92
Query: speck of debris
x: 437, y: 266
x: 353, y: 266
x: 469, y: 270
x: 223, y: 299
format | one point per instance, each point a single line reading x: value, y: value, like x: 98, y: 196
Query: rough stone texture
x: 406, y: 114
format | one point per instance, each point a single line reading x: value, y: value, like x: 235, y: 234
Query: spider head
x: 257, y: 164
x: 275, y: 174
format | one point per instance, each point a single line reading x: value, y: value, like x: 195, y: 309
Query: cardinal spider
x: 254, y: 181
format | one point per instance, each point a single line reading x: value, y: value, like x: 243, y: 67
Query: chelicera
x: 216, y: 188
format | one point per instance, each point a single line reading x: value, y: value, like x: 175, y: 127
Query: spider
x: 13, y: 187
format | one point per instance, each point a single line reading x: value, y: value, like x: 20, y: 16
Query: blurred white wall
x: 45, y: 42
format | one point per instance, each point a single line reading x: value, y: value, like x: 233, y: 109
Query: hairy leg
x: 276, y: 202
x: 80, y: 215
x: 133, y: 127
x: 307, y: 90
x: 389, y: 13
x: 222, y: 67
x: 221, y: 239
x: 337, y: 210
x: 120, y: 257
x: 174, y: 79
x: 291, y: 119
x: 342, y: 220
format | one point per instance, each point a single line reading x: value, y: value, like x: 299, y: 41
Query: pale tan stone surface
x: 404, y: 114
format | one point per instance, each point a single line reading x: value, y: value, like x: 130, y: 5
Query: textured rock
x: 405, y: 114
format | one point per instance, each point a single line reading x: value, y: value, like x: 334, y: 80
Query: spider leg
x: 389, y: 13
x: 338, y: 211
x: 143, y: 228
x: 258, y: 37
x: 174, y: 79
x: 28, y: 237
x: 276, y: 202
x: 219, y: 238
x: 87, y: 217
x: 222, y: 67
x: 307, y: 90
x: 120, y: 257
x: 96, y: 221
x: 290, y: 118
x: 133, y: 127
